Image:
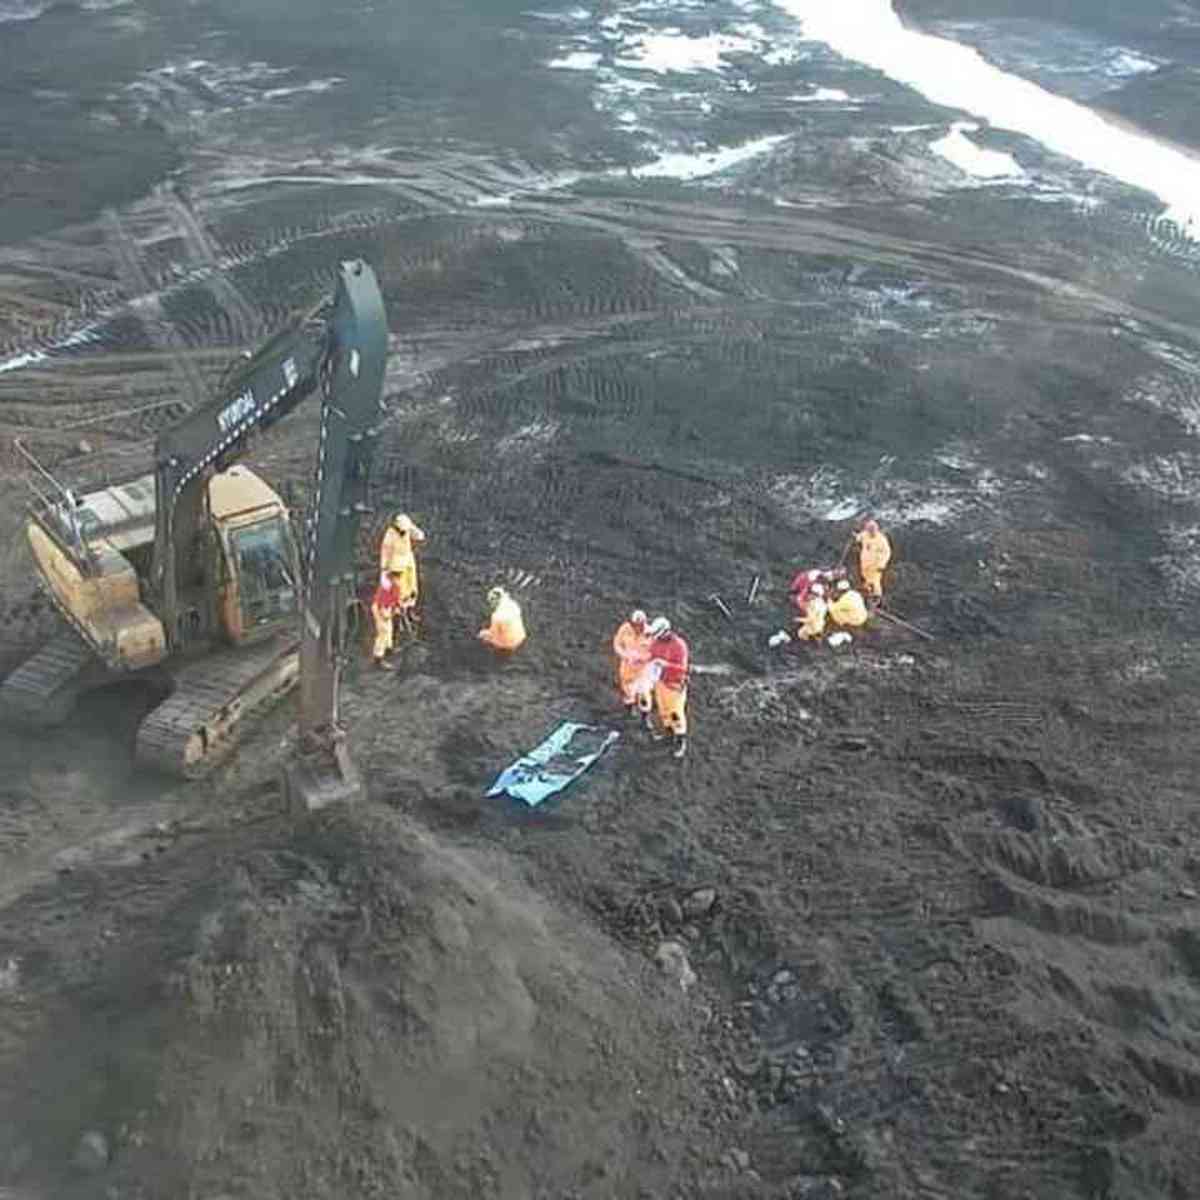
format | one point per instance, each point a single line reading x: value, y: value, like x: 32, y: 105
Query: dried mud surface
x: 940, y: 896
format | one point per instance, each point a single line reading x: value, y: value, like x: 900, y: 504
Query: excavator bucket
x: 321, y: 776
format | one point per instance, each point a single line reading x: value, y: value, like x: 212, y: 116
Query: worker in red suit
x: 669, y: 661
x: 385, y: 604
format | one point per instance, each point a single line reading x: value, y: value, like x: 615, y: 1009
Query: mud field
x: 939, y: 897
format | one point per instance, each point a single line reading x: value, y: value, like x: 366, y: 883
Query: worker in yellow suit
x: 812, y: 624
x: 874, y: 554
x: 396, y: 558
x: 847, y: 608
x: 506, y: 630
x: 631, y: 645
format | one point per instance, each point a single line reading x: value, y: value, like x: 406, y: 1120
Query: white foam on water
x: 822, y: 96
x: 620, y: 85
x: 673, y: 50
x: 20, y: 361
x: 1181, y: 567
x: 576, y: 60
x: 973, y: 160
x: 1173, y: 477
x: 315, y: 85
x: 21, y: 10
x: 697, y: 166
x: 1125, y: 63
x: 957, y: 76
x: 550, y: 183
x: 572, y: 14
x: 31, y: 358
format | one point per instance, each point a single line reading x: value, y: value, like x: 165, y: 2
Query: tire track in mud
x: 1054, y: 877
x: 630, y: 221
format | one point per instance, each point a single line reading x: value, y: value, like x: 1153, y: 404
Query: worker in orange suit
x: 669, y: 664
x: 384, y: 605
x: 631, y: 644
x: 506, y: 630
x: 816, y: 610
x: 847, y: 608
x: 874, y: 554
x: 396, y: 558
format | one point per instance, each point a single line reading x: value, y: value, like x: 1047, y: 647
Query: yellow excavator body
x: 95, y: 580
x: 188, y: 577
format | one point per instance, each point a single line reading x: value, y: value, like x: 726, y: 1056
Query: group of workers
x: 652, y: 675
x: 394, y: 603
x: 823, y: 596
x: 653, y: 660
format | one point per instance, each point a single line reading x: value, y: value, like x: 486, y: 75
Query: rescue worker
x: 396, y: 558
x: 669, y: 658
x: 631, y: 644
x: 383, y: 612
x: 506, y: 630
x: 802, y: 585
x: 812, y: 623
x: 847, y: 607
x: 874, y: 554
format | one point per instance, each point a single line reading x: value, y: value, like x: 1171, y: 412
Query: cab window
x: 265, y: 567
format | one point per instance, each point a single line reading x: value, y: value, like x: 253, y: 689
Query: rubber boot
x: 680, y: 746
x: 384, y: 665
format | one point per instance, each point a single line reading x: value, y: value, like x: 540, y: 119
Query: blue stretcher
x: 561, y: 758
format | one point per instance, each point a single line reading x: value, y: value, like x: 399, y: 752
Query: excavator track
x: 42, y: 691
x: 199, y: 725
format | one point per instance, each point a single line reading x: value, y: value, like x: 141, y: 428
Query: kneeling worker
x: 812, y: 624
x: 848, y: 608
x: 669, y: 655
x: 506, y: 630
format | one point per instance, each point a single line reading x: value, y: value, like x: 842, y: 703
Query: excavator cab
x: 258, y: 590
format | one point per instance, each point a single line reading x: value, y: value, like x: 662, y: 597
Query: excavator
x: 189, y: 575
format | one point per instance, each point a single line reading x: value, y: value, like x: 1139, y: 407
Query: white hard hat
x: 495, y: 596
x: 818, y: 589
x: 659, y: 626
x: 638, y: 617
x: 843, y: 585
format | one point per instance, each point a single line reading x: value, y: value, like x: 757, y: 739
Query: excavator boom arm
x: 261, y: 391
x: 350, y: 416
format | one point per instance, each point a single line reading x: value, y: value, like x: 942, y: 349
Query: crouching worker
x: 506, y: 630
x: 812, y: 623
x: 631, y: 645
x: 668, y: 664
x: 384, y: 606
x: 848, y: 608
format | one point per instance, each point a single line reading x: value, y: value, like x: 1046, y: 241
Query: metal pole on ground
x: 895, y: 620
